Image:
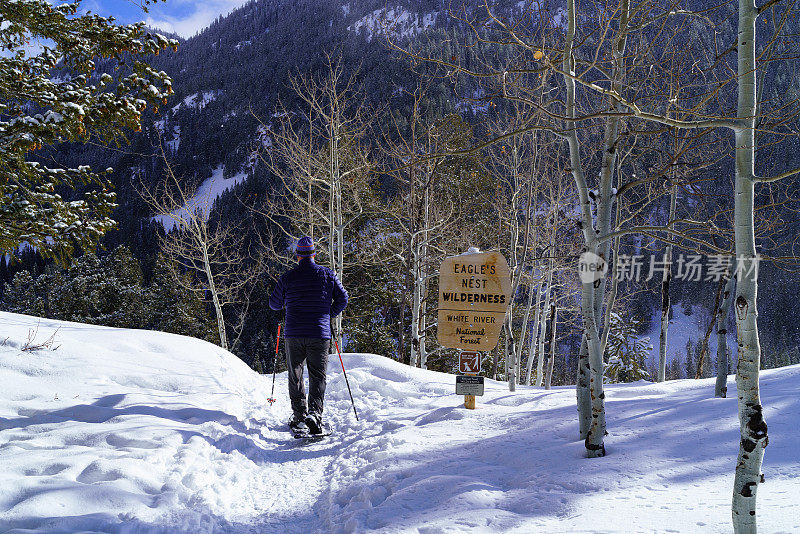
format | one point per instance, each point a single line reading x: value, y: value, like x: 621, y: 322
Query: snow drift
x: 133, y: 431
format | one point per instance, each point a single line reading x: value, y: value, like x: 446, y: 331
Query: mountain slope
x: 133, y: 431
x: 243, y: 63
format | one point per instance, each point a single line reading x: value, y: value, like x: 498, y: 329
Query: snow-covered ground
x: 136, y: 432
x: 203, y: 199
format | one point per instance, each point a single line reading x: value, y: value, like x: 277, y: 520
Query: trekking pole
x: 336, y: 342
x: 271, y: 398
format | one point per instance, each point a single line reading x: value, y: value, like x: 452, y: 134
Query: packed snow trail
x: 138, y: 432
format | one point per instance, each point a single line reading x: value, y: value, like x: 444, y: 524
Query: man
x: 312, y: 295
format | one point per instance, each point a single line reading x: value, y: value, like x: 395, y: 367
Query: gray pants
x: 314, y: 353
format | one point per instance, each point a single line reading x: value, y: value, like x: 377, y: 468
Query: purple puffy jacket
x: 311, y: 294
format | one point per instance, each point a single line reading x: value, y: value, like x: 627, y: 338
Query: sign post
x: 474, y: 293
x: 469, y: 364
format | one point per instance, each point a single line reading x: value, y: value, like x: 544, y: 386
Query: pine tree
x: 626, y: 352
x: 123, y: 290
x: 4, y: 274
x: 58, y: 95
x: 109, y: 290
x: 675, y: 368
x: 19, y: 295
x: 79, y: 297
x: 175, y: 309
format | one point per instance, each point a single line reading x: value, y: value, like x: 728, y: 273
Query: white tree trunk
x: 721, y: 386
x: 521, y: 346
x: 422, y: 281
x: 514, y: 349
x: 543, y: 329
x: 333, y: 215
x: 597, y: 426
x: 505, y: 354
x: 423, y: 350
x: 534, y: 333
x: 582, y: 391
x: 552, y: 359
x: 594, y: 294
x: 419, y: 261
x: 590, y: 310
x: 212, y: 288
x: 339, y: 236
x: 511, y: 351
x: 416, y: 309
x: 665, y: 301
x: 753, y: 428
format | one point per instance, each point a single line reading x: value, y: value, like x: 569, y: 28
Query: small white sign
x: 469, y: 385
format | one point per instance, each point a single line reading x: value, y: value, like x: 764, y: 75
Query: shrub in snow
x: 110, y: 290
x: 626, y: 353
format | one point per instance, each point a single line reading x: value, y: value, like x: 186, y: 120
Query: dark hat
x: 305, y: 247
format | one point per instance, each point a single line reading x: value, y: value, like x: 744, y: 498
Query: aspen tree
x: 721, y: 384
x: 320, y: 156
x: 220, y: 266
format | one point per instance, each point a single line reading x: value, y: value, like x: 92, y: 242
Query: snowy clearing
x: 400, y: 22
x: 133, y: 431
x: 683, y: 327
x: 197, y: 100
x: 203, y: 199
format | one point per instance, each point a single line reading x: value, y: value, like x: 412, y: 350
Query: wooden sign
x: 474, y: 293
x: 469, y: 362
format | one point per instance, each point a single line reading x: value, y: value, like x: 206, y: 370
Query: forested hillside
x: 224, y: 119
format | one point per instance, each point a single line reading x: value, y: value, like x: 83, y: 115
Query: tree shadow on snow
x: 540, y: 469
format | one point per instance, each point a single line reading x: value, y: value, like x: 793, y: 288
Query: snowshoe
x: 314, y: 423
x: 298, y: 427
x: 324, y: 431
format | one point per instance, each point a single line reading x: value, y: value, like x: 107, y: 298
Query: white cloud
x: 200, y: 15
x: 90, y: 5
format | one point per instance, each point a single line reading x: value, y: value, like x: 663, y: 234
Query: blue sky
x: 184, y: 17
